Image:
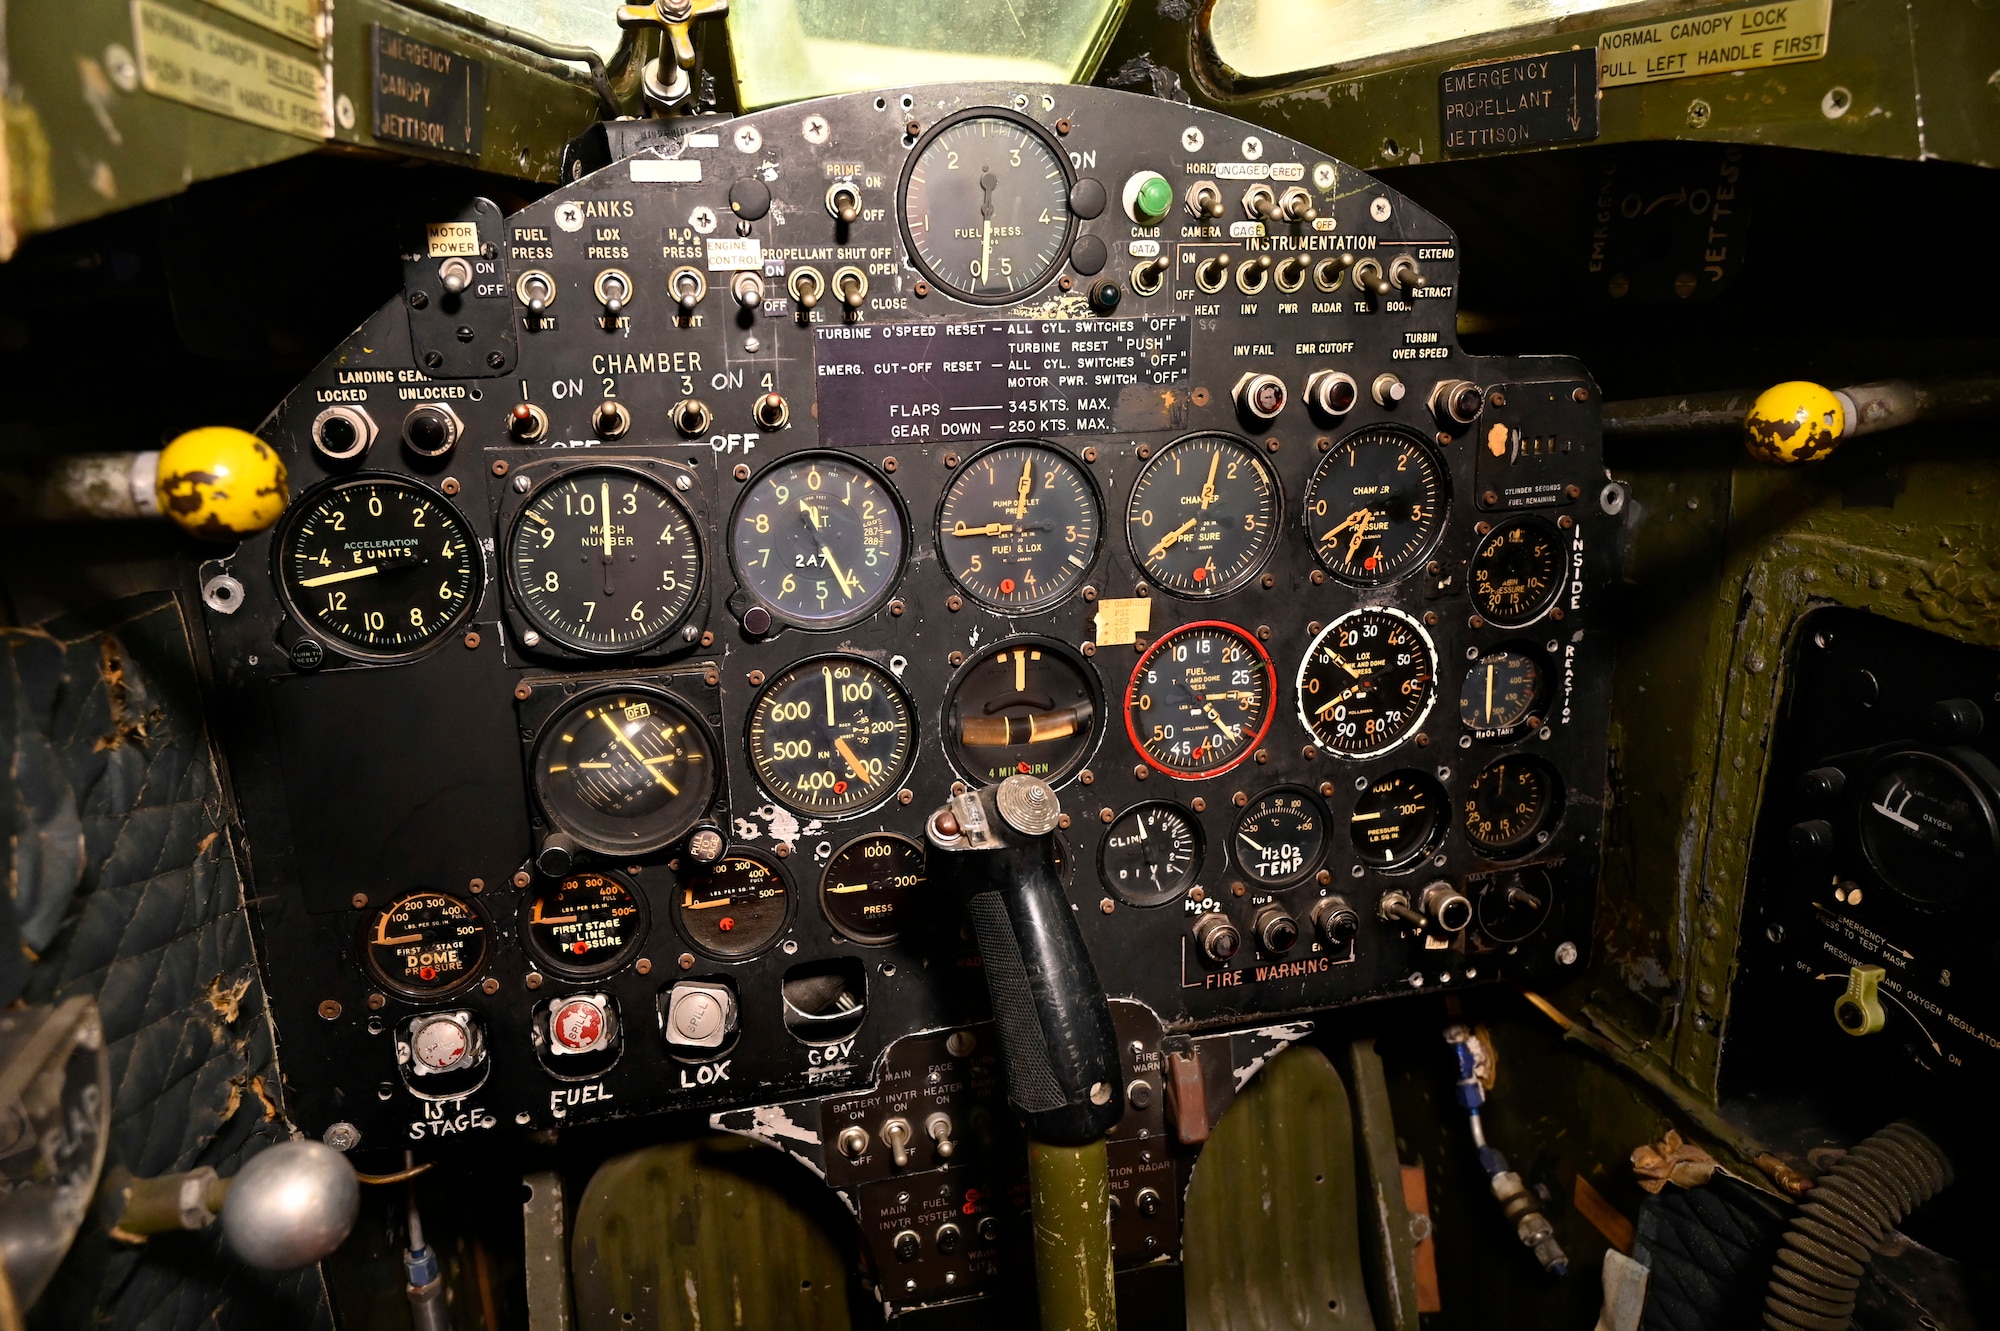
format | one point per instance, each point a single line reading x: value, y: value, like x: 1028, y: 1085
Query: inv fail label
x: 1751, y: 38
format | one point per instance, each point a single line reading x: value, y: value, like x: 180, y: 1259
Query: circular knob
x: 556, y: 856
x: 1217, y: 937
x: 1446, y: 907
x: 1331, y: 393
x: 947, y: 1238
x: 1795, y: 421
x: 1955, y: 718
x: 1456, y: 402
x: 1276, y: 929
x: 290, y: 1206
x: 221, y: 483
x: 1148, y: 1201
x: 908, y: 1245
x: 1387, y: 390
x: 1336, y: 921
x: 1812, y: 839
x: 1822, y: 784
x: 1104, y: 296
x: 431, y: 430
x: 1261, y: 395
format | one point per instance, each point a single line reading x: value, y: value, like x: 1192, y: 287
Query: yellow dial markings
x: 626, y: 740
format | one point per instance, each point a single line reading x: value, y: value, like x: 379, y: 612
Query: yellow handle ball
x: 221, y: 483
x: 1794, y: 422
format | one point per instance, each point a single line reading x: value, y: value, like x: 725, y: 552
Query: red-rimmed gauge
x: 1201, y: 700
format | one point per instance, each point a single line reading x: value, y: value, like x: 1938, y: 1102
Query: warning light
x: 579, y: 947
x: 1006, y: 586
x: 726, y: 923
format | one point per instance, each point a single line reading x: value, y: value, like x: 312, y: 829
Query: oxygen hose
x: 1832, y: 1238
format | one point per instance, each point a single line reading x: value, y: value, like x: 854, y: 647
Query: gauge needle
x: 846, y: 752
x: 397, y: 941
x: 1359, y: 517
x: 1253, y: 845
x: 604, y: 498
x: 1489, y: 693
x: 1220, y: 724
x: 846, y: 589
x: 826, y: 672
x: 539, y: 918
x: 1023, y: 487
x: 689, y: 903
x: 1208, y: 486
x: 626, y: 740
x: 344, y: 575
x: 959, y: 529
x: 985, y: 247
x: 1172, y: 538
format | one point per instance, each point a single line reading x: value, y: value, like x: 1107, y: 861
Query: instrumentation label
x: 427, y: 95
x: 933, y: 382
x: 1524, y: 102
x: 1750, y: 38
x: 199, y: 64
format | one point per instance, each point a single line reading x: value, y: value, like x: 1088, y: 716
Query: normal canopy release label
x: 1752, y: 38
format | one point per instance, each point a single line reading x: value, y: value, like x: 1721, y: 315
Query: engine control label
x: 939, y: 383
x: 1749, y: 38
x: 1524, y: 102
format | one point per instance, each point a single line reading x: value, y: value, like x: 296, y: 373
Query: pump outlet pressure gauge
x: 1019, y: 526
x: 986, y: 206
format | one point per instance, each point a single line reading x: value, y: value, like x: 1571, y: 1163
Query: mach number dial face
x: 604, y: 560
x: 584, y: 923
x: 986, y: 206
x: 384, y: 566
x: 1516, y: 572
x: 819, y: 540
x: 1019, y: 526
x: 624, y: 770
x: 1203, y: 515
x: 1367, y: 681
x: 832, y: 735
x: 1376, y: 505
x: 426, y: 944
x: 1200, y: 700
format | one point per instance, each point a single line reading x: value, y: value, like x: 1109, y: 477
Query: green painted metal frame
x: 1069, y: 1195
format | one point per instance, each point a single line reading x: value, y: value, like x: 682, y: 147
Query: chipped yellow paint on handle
x: 1794, y: 422
x: 1070, y: 1198
x: 221, y: 483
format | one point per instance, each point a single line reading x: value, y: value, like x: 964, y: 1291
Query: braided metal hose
x: 1828, y: 1245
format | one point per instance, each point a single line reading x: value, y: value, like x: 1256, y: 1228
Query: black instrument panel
x: 1141, y: 457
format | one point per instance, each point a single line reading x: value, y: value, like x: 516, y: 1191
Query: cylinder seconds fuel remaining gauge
x: 584, y: 923
x: 426, y: 944
x: 1200, y: 700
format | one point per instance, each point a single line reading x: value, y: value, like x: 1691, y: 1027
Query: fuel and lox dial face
x: 1203, y: 516
x: 1367, y: 681
x: 425, y: 944
x: 986, y: 206
x: 1376, y: 505
x: 734, y: 907
x: 1200, y: 700
x: 381, y: 566
x: 604, y: 560
x: 819, y: 539
x: 1019, y: 527
x: 832, y: 735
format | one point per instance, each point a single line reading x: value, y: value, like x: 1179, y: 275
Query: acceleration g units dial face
x: 985, y: 203
x: 381, y: 566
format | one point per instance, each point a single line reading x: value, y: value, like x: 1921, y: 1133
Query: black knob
x: 756, y: 621
x: 1148, y: 1201
x: 908, y: 1245
x: 1104, y: 296
x: 947, y: 1239
x: 749, y: 198
x: 1276, y: 930
x: 1218, y: 938
x: 1821, y: 784
x: 556, y: 856
x: 1336, y: 921
x: 1955, y: 718
x: 989, y: 1229
x: 430, y: 431
x: 1813, y: 838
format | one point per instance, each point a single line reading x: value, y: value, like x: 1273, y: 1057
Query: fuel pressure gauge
x: 986, y: 206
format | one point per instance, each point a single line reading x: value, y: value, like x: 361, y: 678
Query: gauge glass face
x: 1151, y: 854
x: 1398, y: 819
x: 872, y: 886
x: 819, y: 539
x: 1200, y: 700
x: 1927, y: 829
x: 381, y: 565
x: 1366, y: 682
x: 1376, y: 505
x: 584, y: 923
x: 986, y: 207
x: 1203, y: 516
x: 1500, y: 693
x: 1026, y: 707
x: 625, y: 770
x: 1516, y: 572
x: 832, y: 735
x: 1281, y: 838
x: 1512, y: 806
x: 604, y: 559
x: 1019, y: 527
x: 734, y: 907
x: 426, y: 944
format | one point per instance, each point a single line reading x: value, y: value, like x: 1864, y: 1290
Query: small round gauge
x: 1281, y: 838
x: 1203, y: 516
x: 1200, y: 700
x: 379, y: 564
x: 425, y: 944
x: 624, y: 770
x: 1398, y: 819
x: 1927, y: 825
x: 1019, y: 526
x: 870, y: 886
x: 832, y: 735
x: 585, y: 923
x: 1367, y: 681
x: 1514, y: 804
x: 734, y: 907
x: 1376, y: 505
x: 604, y: 560
x: 1024, y: 706
x: 986, y: 206
x: 1516, y: 572
x: 819, y: 539
x: 1500, y: 693
x: 1151, y: 854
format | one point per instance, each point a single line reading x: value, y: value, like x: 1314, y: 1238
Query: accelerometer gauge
x: 1514, y: 802
x: 603, y: 560
x: 1018, y: 526
x: 1500, y: 693
x: 1928, y: 828
x: 425, y: 944
x: 584, y: 923
x: 1200, y: 700
x: 1376, y: 505
x: 819, y: 539
x: 832, y: 735
x: 985, y: 203
x: 1281, y: 838
x: 1203, y: 516
x: 1025, y: 706
x: 1516, y: 572
x: 624, y: 770
x: 1151, y: 854
x: 381, y: 565
x: 1366, y: 681
x: 870, y: 886
x: 1398, y: 819
x: 734, y: 907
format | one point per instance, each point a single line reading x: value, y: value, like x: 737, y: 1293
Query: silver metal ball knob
x: 291, y: 1206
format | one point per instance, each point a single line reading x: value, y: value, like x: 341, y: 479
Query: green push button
x: 1148, y: 198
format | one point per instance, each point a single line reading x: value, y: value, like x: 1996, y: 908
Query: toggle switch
x: 1291, y: 272
x: 688, y: 287
x: 614, y: 290
x: 1297, y: 206
x: 527, y: 422
x: 1329, y: 273
x: 1148, y: 275
x: 535, y: 289
x: 692, y: 417
x: 1204, y: 201
x: 1261, y: 204
x: 1368, y: 277
x: 772, y: 411
x: 896, y: 1135
x: 851, y: 285
x: 610, y: 420
x: 1212, y: 272
x: 747, y: 289
x: 843, y: 201
x: 1403, y: 273
x: 806, y: 286
x: 938, y: 1128
x: 852, y: 1141
x: 455, y: 275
